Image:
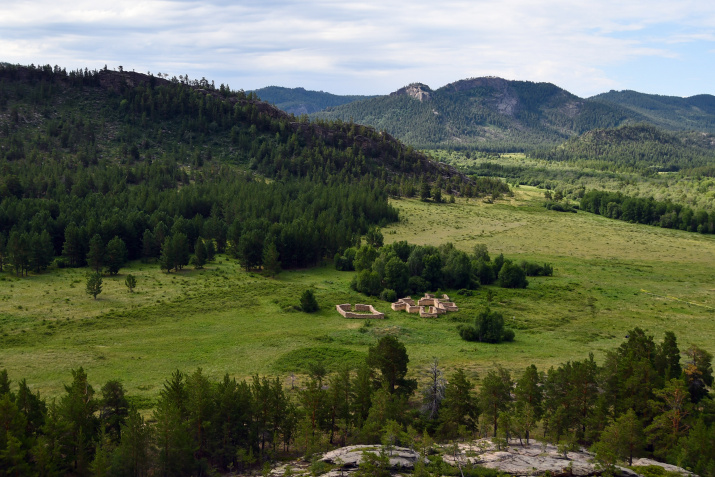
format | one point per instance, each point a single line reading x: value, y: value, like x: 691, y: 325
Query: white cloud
x: 359, y: 47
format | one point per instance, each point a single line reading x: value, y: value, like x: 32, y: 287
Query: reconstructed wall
x: 368, y: 311
x: 428, y: 306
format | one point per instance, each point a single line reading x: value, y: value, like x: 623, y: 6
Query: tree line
x: 644, y: 400
x: 646, y: 210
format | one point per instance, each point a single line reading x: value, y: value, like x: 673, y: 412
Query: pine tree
x: 529, y: 397
x: 133, y: 456
x: 115, y: 255
x: 460, y: 407
x: 167, y: 259
x: 74, y: 245
x: 18, y: 253
x: 199, y: 259
x: 271, y: 264
x: 41, y: 251
x: 425, y: 193
x: 621, y: 440
x: 114, y: 409
x: 94, y: 284
x: 149, y: 246
x: 76, y: 415
x: 495, y: 394
x: 308, y: 303
x: 95, y: 255
x: 210, y: 250
x: 3, y: 251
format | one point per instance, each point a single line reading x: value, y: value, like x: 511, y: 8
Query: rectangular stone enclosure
x: 360, y: 311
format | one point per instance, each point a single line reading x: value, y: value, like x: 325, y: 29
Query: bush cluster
x: 402, y: 268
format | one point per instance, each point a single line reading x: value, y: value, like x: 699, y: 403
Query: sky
x: 376, y: 47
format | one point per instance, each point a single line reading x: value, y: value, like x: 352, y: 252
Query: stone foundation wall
x: 368, y: 311
x: 428, y: 306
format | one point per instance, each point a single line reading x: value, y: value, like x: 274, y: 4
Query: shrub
x: 308, y: 303
x: 559, y: 207
x: 130, y: 282
x: 488, y: 328
x: 367, y: 282
x: 388, y: 295
x: 512, y: 276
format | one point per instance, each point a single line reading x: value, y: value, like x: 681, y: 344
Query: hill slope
x: 639, y: 148
x: 484, y: 113
x: 299, y: 101
x: 122, y: 154
x: 670, y: 112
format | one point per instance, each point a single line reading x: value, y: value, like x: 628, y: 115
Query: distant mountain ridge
x: 487, y: 113
x: 300, y: 101
x: 495, y: 114
x: 670, y: 112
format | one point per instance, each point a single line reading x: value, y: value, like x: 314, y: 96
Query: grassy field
x: 609, y: 276
x: 697, y: 192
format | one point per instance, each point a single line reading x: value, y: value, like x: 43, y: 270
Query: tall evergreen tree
x: 113, y: 410
x: 271, y: 264
x: 199, y: 259
x: 667, y: 359
x: 529, y: 396
x: 495, y: 394
x: 94, y: 284
x: 96, y: 253
x: 115, y: 255
x: 460, y: 406
x: 133, y: 456
x: 77, y: 414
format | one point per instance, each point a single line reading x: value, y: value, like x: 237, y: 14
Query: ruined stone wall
x: 369, y: 311
x: 428, y: 306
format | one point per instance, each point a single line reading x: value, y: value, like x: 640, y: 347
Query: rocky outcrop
x: 419, y: 91
x: 517, y: 459
x: 351, y: 456
x: 668, y: 467
x: 535, y: 459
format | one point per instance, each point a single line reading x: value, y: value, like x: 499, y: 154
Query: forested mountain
x: 670, y: 112
x: 146, y: 159
x: 483, y: 113
x: 639, y: 148
x: 299, y: 101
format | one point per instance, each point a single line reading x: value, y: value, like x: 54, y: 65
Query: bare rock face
x: 670, y: 468
x: 419, y: 91
x: 351, y: 456
x: 517, y: 459
x: 536, y: 459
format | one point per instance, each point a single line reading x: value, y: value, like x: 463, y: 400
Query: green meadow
x: 609, y: 277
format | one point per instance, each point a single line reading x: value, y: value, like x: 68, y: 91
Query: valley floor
x: 609, y: 277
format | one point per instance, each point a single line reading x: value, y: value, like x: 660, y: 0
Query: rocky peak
x: 419, y: 91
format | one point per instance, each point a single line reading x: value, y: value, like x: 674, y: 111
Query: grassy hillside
x: 483, y: 113
x: 299, y: 101
x: 609, y: 276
